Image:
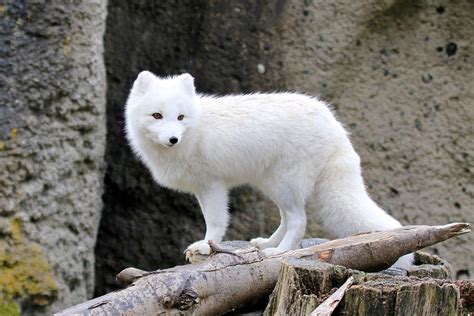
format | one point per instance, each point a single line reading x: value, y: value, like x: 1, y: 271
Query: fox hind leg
x: 275, y: 239
x: 296, y: 227
x: 289, y: 192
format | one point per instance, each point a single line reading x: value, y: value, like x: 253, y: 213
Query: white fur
x: 287, y: 145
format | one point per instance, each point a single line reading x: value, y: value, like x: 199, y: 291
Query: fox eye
x: 181, y: 117
x: 157, y: 116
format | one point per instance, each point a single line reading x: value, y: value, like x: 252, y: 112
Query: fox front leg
x: 213, y: 202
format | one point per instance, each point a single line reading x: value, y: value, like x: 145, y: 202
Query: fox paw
x: 405, y: 263
x: 261, y: 243
x: 198, y: 251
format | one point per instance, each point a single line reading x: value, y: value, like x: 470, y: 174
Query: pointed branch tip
x: 458, y: 228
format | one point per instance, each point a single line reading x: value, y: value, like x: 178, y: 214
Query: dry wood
x: 381, y: 295
x: 129, y: 275
x: 304, y: 284
x: 466, y: 289
x: 327, y: 307
x: 228, y: 281
x: 376, y: 251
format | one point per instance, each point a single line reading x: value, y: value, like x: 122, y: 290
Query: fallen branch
x: 376, y: 251
x: 228, y: 281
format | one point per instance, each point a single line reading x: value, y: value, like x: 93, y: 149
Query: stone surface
x: 399, y: 74
x: 52, y: 139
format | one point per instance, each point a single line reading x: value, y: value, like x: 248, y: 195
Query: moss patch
x: 8, y: 307
x: 25, y: 274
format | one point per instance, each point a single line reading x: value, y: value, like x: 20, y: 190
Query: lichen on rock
x: 25, y: 274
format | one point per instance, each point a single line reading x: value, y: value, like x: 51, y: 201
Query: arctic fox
x: 287, y: 145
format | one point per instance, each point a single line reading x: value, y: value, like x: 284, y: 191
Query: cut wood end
x: 129, y: 275
x: 457, y: 228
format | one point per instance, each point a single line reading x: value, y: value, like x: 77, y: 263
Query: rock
x: 52, y: 142
x: 451, y: 49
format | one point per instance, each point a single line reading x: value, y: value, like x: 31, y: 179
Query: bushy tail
x: 341, y: 202
x: 342, y: 205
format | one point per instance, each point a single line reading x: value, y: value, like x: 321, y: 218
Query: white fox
x: 287, y: 145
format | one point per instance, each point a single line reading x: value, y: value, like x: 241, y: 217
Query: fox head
x: 162, y: 109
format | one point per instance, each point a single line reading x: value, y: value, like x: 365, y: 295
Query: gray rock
x: 52, y: 142
x: 414, y: 138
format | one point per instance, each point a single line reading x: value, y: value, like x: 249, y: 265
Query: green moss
x: 8, y: 307
x: 25, y: 274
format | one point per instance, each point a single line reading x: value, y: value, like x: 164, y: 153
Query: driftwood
x: 229, y: 280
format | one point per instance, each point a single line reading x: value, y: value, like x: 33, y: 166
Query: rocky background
x: 399, y: 73
x: 52, y: 142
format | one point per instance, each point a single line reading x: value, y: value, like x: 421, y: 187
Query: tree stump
x: 302, y: 285
x: 424, y: 290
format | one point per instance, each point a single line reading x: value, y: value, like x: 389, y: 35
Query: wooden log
x: 376, y: 251
x: 233, y: 279
x: 303, y: 285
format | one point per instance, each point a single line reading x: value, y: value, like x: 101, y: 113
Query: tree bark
x: 230, y: 280
x: 304, y: 285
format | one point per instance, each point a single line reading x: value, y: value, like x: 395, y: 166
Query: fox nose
x: 173, y: 140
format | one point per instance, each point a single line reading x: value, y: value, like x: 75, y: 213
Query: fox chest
x: 175, y: 175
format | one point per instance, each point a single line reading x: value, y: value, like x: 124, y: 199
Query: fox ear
x: 142, y: 83
x: 187, y: 82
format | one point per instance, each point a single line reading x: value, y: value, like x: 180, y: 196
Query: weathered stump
x: 302, y: 285
x: 424, y: 290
